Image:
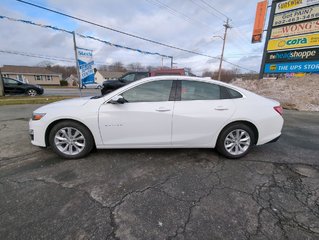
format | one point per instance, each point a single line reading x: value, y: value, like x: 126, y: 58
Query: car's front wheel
x: 71, y: 140
x: 235, y: 141
x: 31, y: 92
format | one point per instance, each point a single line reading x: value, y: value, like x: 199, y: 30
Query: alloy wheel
x: 237, y: 142
x: 69, y: 141
x: 32, y: 92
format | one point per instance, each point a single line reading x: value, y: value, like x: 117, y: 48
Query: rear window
x: 234, y: 94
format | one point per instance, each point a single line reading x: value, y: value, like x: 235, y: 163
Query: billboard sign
x: 296, y: 16
x: 294, y: 4
x: 86, y: 65
x: 259, y: 21
x: 293, y: 55
x: 292, y: 42
x: 300, y: 41
x: 295, y: 29
x: 293, y: 67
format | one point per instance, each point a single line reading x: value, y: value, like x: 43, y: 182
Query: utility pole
x: 77, y: 64
x: 1, y: 85
x: 227, y: 26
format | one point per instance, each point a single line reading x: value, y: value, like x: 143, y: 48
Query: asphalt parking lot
x: 273, y: 193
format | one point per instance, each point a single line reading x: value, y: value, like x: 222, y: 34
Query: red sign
x: 259, y: 21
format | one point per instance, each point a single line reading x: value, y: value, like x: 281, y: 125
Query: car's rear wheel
x: 235, y: 140
x: 32, y: 92
x: 71, y: 140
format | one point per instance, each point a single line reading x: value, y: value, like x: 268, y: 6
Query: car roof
x: 201, y: 79
x: 187, y: 78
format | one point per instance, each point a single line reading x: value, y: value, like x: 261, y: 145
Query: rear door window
x: 195, y: 90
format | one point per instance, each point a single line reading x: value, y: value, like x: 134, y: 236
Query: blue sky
x: 189, y: 24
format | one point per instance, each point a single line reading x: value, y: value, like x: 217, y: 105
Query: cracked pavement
x: 272, y: 193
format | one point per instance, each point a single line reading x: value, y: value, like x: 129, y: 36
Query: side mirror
x: 19, y: 83
x: 117, y: 100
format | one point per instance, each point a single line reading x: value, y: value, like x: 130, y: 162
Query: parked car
x: 12, y: 86
x: 111, y: 85
x: 160, y: 112
x: 94, y: 85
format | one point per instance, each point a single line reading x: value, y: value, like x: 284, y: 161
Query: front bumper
x: 40, y: 91
x: 37, y: 133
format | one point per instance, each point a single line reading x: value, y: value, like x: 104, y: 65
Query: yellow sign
x: 294, y: 42
x: 299, y: 74
x: 295, y: 29
x: 294, y: 4
x: 296, y: 16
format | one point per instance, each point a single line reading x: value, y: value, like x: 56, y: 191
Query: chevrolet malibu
x: 160, y: 112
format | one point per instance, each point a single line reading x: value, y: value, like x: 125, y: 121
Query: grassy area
x: 13, y: 100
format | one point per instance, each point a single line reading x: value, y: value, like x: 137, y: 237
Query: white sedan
x: 160, y: 112
x: 92, y: 85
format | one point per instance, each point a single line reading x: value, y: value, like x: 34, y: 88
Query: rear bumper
x: 274, y: 140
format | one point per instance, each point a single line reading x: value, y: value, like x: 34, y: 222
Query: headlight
x: 37, y: 116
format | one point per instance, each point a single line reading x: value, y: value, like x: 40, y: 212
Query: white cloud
x: 142, y: 18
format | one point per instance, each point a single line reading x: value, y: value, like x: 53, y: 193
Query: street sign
x: 86, y: 65
x: 293, y: 67
x: 292, y: 41
x: 293, y: 55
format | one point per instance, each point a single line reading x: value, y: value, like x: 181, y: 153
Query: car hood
x: 75, y: 102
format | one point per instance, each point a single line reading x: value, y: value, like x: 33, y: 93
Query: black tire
x: 31, y: 92
x: 87, y: 140
x: 242, y: 148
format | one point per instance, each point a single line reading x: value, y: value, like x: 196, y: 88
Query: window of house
x: 38, y: 77
x: 4, y: 75
x: 49, y: 78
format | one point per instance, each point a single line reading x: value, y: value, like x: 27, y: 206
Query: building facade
x: 32, y: 75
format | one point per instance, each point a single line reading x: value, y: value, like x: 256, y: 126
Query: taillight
x: 279, y: 109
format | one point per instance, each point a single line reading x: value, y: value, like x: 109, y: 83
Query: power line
x: 177, y: 13
x: 34, y: 55
x: 37, y: 56
x: 205, y: 9
x: 83, y: 36
x: 125, y: 33
x: 113, y: 29
x: 215, y: 9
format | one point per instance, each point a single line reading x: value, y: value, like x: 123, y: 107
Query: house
x: 72, y: 81
x: 32, y: 75
x: 100, y: 75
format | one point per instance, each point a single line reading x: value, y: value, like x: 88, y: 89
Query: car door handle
x: 220, y: 108
x: 162, y: 110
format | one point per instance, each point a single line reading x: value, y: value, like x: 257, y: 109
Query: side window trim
x: 173, y: 93
x: 178, y: 96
